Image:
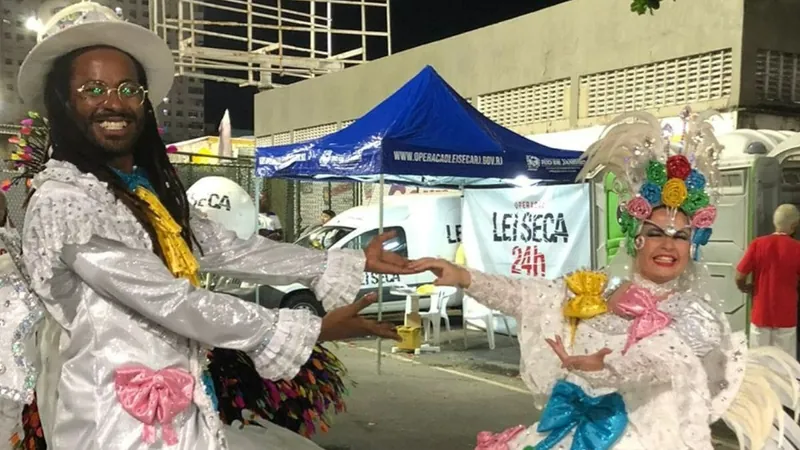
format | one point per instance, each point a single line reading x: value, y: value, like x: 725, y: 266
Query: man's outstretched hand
x: 346, y: 322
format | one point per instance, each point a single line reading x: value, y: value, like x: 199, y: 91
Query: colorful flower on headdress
x: 695, y: 201
x: 695, y: 181
x: 172, y: 149
x: 639, y: 208
x: 674, y: 193
x: 656, y: 173
x: 626, y: 222
x: 651, y: 192
x: 678, y: 167
x: 701, y: 236
x: 704, y: 217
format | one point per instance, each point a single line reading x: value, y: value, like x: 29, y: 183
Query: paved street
x: 416, y: 406
x: 434, y: 401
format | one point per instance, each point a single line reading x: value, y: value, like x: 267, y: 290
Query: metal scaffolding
x: 265, y: 43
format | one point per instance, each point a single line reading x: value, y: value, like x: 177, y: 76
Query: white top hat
x: 88, y: 24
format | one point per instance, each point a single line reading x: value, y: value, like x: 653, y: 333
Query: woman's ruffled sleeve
x: 335, y: 276
x: 511, y: 295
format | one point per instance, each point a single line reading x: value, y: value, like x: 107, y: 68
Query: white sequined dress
x: 111, y: 302
x: 674, y: 383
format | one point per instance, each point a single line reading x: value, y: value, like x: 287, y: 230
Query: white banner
x: 537, y: 231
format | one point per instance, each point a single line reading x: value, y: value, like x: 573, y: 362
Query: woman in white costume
x: 648, y: 361
x: 114, y: 251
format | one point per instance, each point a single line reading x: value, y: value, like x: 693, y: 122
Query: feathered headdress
x: 31, y: 152
x: 653, y: 167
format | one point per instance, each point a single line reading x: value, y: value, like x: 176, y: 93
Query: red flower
x: 678, y: 167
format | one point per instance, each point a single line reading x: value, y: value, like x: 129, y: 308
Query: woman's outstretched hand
x: 346, y: 322
x: 586, y: 363
x: 447, y: 273
x: 381, y: 261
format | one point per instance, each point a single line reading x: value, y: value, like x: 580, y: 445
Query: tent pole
x: 257, y: 193
x: 380, y: 279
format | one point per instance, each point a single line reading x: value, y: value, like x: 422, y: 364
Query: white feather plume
x: 632, y: 140
x: 756, y: 414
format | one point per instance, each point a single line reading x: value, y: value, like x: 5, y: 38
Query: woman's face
x: 662, y: 256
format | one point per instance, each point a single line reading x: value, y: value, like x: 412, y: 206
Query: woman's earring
x: 639, y: 242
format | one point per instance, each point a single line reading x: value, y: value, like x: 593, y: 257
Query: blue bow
x: 598, y: 421
x: 135, y: 179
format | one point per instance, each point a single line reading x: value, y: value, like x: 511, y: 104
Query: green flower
x: 656, y: 173
x: 627, y: 223
x: 695, y: 200
x: 630, y: 246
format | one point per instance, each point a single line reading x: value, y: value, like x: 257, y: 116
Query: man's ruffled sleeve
x: 335, y: 276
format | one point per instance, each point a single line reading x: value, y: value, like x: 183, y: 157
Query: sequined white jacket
x: 674, y: 383
x: 112, y: 302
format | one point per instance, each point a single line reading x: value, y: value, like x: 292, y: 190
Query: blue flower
x: 651, y: 192
x: 701, y: 236
x: 695, y: 181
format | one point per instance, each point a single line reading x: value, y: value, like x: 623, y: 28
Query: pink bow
x: 491, y: 441
x: 641, y: 304
x: 154, y: 397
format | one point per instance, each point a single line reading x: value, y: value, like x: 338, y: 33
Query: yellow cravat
x: 177, y: 254
x: 588, y: 301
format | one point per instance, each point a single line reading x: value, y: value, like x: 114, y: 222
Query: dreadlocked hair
x: 70, y: 144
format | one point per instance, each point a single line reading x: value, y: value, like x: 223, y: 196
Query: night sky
x: 414, y: 23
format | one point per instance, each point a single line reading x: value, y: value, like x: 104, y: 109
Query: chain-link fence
x: 239, y: 170
x: 16, y: 196
x: 311, y: 198
x: 308, y: 199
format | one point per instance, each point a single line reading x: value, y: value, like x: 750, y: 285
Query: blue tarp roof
x: 425, y: 133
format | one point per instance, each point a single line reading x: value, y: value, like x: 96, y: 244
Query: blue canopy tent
x: 423, y: 134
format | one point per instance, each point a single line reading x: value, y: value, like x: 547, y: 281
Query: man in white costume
x: 114, y: 250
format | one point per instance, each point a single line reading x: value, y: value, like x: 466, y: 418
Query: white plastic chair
x: 438, y: 312
x: 488, y: 320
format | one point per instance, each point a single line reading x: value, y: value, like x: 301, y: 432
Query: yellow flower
x: 674, y: 192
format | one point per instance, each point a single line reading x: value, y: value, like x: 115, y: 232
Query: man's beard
x: 112, y: 147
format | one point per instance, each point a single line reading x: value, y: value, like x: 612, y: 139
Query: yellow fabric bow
x: 588, y: 301
x: 177, y: 254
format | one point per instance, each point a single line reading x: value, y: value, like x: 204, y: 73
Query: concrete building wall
x: 770, y: 79
x: 557, y: 50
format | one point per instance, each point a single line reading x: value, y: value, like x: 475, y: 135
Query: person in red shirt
x: 774, y: 261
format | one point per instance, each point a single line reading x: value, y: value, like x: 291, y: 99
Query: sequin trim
x: 25, y: 328
x: 71, y: 215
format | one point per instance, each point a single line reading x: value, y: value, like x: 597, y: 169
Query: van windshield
x: 323, y: 238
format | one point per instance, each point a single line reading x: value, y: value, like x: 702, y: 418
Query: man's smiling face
x: 107, y: 99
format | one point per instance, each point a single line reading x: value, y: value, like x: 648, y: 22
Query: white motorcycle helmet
x: 226, y: 203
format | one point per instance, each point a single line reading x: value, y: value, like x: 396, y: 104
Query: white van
x: 426, y: 225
